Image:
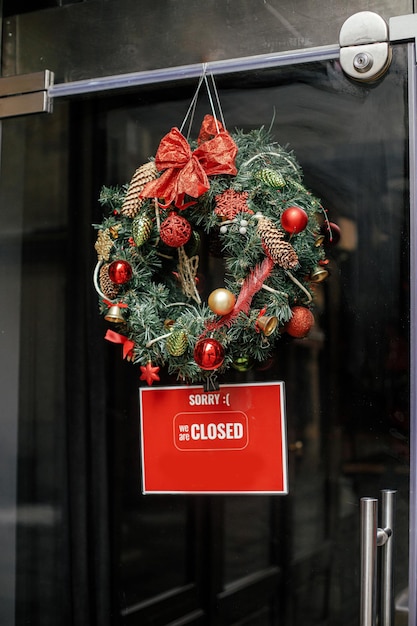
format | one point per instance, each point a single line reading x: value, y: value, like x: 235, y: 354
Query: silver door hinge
x: 365, y: 43
x: 25, y: 94
x: 404, y: 28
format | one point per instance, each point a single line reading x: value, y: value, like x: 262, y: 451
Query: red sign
x: 228, y: 441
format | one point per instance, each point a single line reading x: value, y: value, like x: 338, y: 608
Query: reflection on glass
x: 247, y: 536
x: 153, y: 550
x: 347, y: 385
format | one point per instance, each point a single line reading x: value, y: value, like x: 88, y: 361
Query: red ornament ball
x: 120, y: 272
x: 301, y: 322
x: 175, y: 230
x: 208, y: 354
x: 294, y: 219
x: 331, y: 232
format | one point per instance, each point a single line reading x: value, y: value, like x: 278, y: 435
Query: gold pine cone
x: 132, y: 203
x: 103, y: 244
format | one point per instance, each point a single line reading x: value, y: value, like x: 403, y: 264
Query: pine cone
x: 103, y: 244
x: 107, y: 286
x: 281, y: 252
x: 144, y: 174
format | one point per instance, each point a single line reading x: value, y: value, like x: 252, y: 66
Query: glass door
x: 89, y: 547
x: 347, y: 383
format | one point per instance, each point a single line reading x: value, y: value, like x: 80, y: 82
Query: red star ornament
x: 149, y: 373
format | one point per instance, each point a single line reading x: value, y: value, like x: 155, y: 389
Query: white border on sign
x: 284, y: 453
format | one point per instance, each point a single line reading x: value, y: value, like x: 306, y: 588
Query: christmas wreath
x: 242, y: 196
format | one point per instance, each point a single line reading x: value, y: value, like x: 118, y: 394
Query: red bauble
x: 175, y: 231
x: 208, y: 354
x: 120, y: 272
x: 331, y: 232
x: 294, y: 219
x: 301, y: 322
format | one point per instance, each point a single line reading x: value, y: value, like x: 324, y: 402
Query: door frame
x: 412, y: 113
x: 78, y: 88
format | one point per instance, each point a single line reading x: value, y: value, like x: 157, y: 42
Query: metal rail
x: 181, y: 72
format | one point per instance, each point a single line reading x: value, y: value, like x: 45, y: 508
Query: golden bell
x: 267, y: 324
x: 114, y: 315
x: 318, y: 274
x: 168, y: 324
x: 319, y: 240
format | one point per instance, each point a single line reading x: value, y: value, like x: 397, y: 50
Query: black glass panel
x: 89, y: 545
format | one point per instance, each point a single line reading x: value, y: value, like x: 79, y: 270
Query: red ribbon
x: 121, y: 305
x: 260, y: 314
x: 128, y: 345
x: 186, y: 172
x: 209, y: 129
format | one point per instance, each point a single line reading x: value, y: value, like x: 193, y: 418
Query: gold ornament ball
x: 221, y: 301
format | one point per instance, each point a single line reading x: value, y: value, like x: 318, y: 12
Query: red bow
x: 186, y: 172
x: 127, y: 344
x: 121, y: 305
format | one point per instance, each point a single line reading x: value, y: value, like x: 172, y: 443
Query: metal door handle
x: 369, y: 515
x: 371, y: 538
x: 387, y: 557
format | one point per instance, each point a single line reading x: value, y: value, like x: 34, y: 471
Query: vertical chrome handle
x: 387, y: 556
x: 371, y: 537
x: 369, y: 519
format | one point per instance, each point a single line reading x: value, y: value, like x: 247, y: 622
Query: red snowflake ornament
x: 149, y: 373
x: 231, y: 202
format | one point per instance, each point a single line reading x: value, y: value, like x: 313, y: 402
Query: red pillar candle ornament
x: 294, y: 219
x: 120, y: 272
x: 208, y: 354
x: 221, y: 301
x: 175, y: 230
x: 301, y: 322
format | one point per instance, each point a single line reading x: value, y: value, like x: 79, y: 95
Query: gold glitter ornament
x: 297, y: 186
x: 103, y: 244
x: 271, y: 178
x: 141, y: 229
x: 177, y: 342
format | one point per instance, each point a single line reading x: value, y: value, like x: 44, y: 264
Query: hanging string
x: 213, y: 110
x: 192, y: 113
x: 219, y: 106
x: 193, y: 102
x: 189, y: 116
